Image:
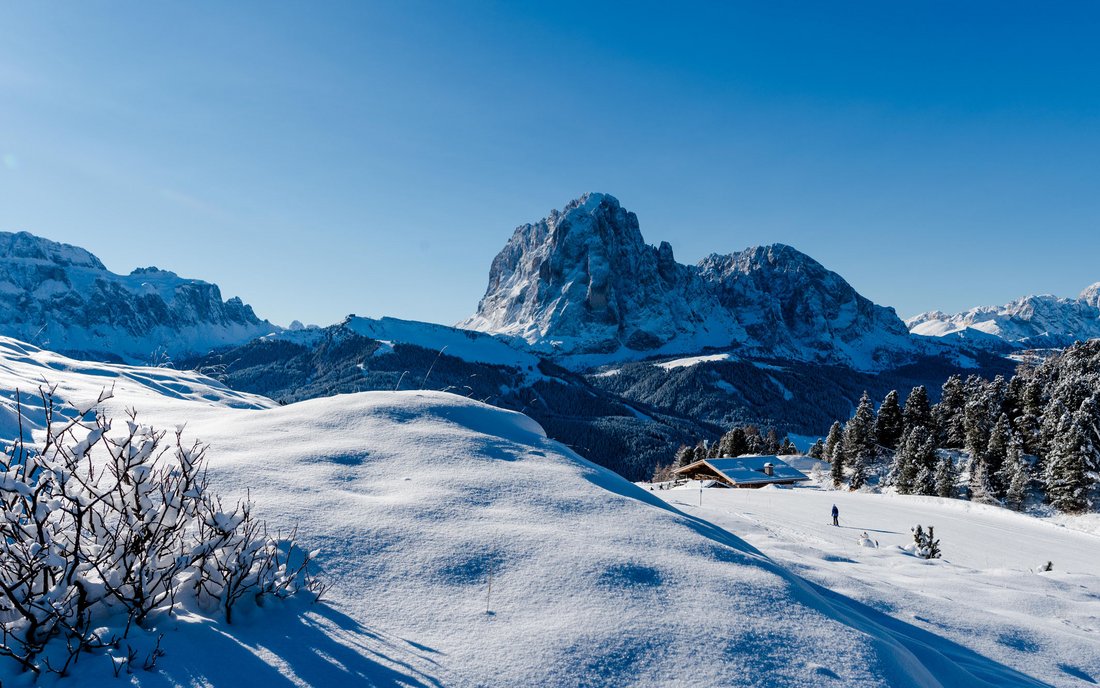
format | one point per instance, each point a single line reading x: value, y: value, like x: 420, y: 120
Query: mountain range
x: 613, y: 346
x: 63, y: 298
x: 1037, y: 321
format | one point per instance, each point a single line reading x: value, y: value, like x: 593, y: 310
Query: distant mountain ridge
x: 582, y: 283
x: 1032, y: 321
x: 63, y: 298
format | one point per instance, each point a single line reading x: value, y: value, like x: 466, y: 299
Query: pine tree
x: 946, y: 476
x: 996, y: 452
x: 833, y: 441
x: 926, y: 544
x: 754, y: 443
x: 685, y: 456
x: 889, y: 423
x: 1028, y: 423
x: 771, y: 442
x: 917, y: 409
x: 976, y: 417
x: 922, y: 453
x: 787, y: 448
x: 1015, y: 475
x: 836, y: 471
x: 1067, y: 480
x: 902, y: 473
x: 817, y: 450
x: 949, y: 414
x: 734, y: 443
x: 859, y: 441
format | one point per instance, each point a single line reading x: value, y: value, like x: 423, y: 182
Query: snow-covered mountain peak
x: 1036, y: 320
x: 1091, y: 295
x: 26, y: 247
x: 583, y: 282
x: 63, y: 297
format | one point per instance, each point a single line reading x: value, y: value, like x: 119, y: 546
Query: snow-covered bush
x: 925, y: 544
x: 102, y: 528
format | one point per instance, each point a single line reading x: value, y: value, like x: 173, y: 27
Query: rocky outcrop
x: 583, y: 282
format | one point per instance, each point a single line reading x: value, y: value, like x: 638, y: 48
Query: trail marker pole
x: 489, y: 592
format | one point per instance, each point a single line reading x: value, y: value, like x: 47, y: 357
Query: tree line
x: 1032, y: 437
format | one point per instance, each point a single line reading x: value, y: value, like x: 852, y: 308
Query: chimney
x: 769, y: 469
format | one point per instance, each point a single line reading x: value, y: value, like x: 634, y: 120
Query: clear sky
x: 320, y: 159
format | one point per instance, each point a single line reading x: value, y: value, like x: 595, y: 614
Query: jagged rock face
x: 1038, y: 320
x: 790, y: 304
x: 583, y: 281
x: 63, y: 298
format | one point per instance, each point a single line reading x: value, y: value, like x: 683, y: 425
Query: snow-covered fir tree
x: 946, y: 477
x: 833, y: 441
x: 918, y: 411
x: 889, y: 423
x: 949, y: 414
x: 859, y: 442
x: 1015, y: 474
x: 1067, y: 479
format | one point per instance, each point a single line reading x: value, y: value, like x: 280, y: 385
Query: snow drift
x: 465, y: 548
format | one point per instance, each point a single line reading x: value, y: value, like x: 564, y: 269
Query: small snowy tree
x: 817, y: 450
x: 925, y: 543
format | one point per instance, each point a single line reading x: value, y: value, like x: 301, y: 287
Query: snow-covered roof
x: 748, y: 470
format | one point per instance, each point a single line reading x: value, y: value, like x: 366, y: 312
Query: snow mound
x: 465, y: 548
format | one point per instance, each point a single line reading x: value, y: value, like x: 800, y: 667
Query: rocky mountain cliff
x: 1033, y: 321
x: 63, y: 298
x: 583, y: 284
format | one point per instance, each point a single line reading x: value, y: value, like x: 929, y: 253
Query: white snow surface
x: 418, y: 499
x: 694, y: 360
x: 468, y: 345
x: 985, y: 593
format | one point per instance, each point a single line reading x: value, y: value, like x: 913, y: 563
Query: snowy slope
x: 62, y: 297
x: 416, y: 499
x: 1031, y: 321
x: 984, y: 593
x: 27, y: 368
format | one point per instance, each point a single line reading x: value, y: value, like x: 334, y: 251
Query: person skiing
x: 836, y: 516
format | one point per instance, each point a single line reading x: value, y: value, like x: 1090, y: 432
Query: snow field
x: 418, y: 500
x: 985, y: 593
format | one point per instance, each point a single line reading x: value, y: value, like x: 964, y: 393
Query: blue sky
x: 320, y: 159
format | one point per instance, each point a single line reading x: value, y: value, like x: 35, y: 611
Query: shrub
x: 105, y: 528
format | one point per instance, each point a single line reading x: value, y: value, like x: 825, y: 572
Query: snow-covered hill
x: 419, y: 501
x: 986, y: 592
x: 582, y: 284
x: 62, y: 297
x: 1033, y: 321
